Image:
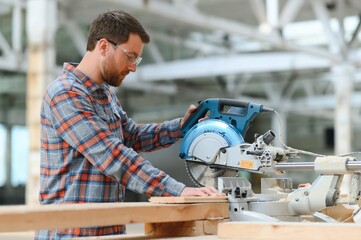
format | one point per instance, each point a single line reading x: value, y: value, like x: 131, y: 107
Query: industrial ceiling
x: 300, y: 57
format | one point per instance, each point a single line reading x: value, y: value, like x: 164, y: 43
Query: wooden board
x: 289, y: 231
x: 114, y: 237
x: 178, y: 229
x: 24, y: 218
x: 208, y: 199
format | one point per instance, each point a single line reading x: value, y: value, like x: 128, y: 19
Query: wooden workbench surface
x: 185, y: 219
x: 208, y: 199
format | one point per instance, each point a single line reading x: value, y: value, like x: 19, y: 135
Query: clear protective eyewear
x: 132, y: 57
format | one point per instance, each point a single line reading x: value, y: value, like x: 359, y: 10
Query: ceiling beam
x: 198, y: 19
x: 74, y: 32
x: 290, y: 11
x: 259, y: 9
x: 226, y: 65
x: 335, y: 45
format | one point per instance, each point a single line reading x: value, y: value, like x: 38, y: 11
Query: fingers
x: 211, y: 191
x: 202, y: 191
x: 202, y: 119
x: 190, y: 109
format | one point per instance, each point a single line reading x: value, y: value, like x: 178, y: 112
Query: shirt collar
x: 70, y: 68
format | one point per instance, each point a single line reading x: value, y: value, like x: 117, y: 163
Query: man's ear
x: 102, y: 46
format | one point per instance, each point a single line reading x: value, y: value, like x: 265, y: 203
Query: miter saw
x: 215, y: 151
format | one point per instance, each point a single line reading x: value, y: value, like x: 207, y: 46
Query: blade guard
x: 229, y: 133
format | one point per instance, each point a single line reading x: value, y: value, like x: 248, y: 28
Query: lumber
x: 181, y: 229
x: 24, y: 218
x: 289, y: 231
x: 115, y: 237
x: 186, y: 228
x: 188, y: 199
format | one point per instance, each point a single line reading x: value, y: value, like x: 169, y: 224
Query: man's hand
x: 190, y: 109
x: 202, y: 191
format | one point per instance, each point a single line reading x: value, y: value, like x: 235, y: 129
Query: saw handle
x: 239, y: 115
x: 193, y: 118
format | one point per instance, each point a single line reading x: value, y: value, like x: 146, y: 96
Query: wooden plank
x: 24, y: 218
x: 126, y: 237
x: 289, y: 231
x: 339, y: 212
x: 208, y: 199
x: 115, y: 237
x: 179, y: 229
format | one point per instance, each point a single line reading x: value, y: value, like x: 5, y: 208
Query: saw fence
x: 168, y: 217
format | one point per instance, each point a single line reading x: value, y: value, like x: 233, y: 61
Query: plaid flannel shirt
x: 89, y: 150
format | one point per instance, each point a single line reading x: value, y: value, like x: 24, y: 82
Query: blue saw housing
x: 232, y: 125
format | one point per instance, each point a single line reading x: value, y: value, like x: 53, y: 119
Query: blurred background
x: 300, y: 57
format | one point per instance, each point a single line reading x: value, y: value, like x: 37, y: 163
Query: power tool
x: 215, y: 151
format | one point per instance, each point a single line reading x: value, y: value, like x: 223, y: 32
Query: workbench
x: 182, y: 218
x: 189, y: 218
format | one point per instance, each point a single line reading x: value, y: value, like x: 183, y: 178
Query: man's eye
x: 132, y: 57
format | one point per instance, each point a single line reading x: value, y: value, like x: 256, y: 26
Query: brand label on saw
x: 212, y: 131
x: 246, y: 164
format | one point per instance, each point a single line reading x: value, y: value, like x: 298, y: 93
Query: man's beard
x: 111, y: 78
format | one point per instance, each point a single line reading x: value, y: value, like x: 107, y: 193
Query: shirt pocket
x: 115, y: 125
x: 107, y: 114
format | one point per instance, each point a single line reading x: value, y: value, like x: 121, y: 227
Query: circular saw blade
x: 206, y: 176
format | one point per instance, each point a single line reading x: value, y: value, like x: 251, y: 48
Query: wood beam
x: 24, y: 218
x: 182, y: 229
x: 41, y: 70
x: 289, y: 230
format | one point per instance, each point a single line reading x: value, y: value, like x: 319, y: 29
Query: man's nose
x: 132, y: 67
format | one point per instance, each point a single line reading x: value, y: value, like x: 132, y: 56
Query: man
x: 89, y: 146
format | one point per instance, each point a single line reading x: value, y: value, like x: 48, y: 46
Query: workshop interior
x: 279, y: 82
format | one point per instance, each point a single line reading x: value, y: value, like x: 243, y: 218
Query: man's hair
x: 115, y: 25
